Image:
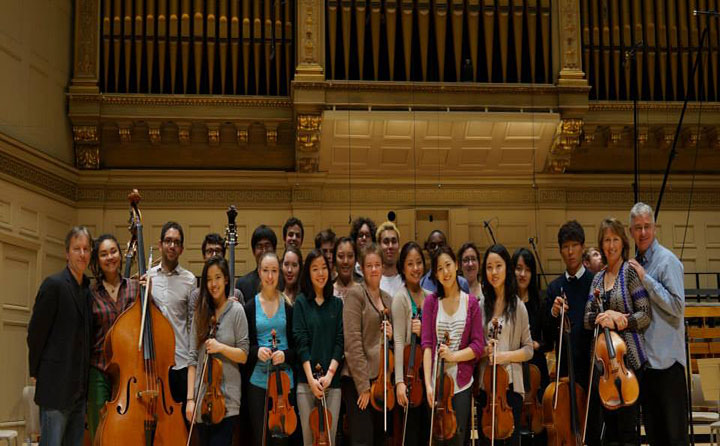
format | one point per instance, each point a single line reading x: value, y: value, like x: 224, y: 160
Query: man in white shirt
x: 388, y: 236
x: 171, y: 288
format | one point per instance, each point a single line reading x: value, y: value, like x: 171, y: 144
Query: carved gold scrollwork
x: 87, y: 146
x: 242, y: 136
x: 567, y: 139
x: 308, y: 142
x: 184, y: 134
x: 271, y: 135
x: 213, y: 135
x: 154, y: 135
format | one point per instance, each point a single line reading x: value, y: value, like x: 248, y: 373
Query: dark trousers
x: 515, y: 401
x: 663, y: 395
x: 178, y: 389
x: 220, y: 434
x: 461, y: 405
x: 417, y: 430
x: 256, y: 419
x: 366, y: 426
x: 621, y: 424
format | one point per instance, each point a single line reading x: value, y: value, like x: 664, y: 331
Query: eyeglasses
x: 364, y: 235
x: 172, y: 242
x: 214, y: 252
x: 469, y: 260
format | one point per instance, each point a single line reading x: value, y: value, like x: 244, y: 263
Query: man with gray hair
x: 59, y: 345
x: 663, y: 390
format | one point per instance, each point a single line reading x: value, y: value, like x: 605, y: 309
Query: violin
x: 320, y: 417
x: 281, y: 419
x: 618, y: 385
x: 412, y: 362
x: 212, y: 409
x: 497, y: 417
x: 532, y: 409
x: 443, y: 423
x: 140, y: 349
x: 382, y: 395
x: 564, y: 399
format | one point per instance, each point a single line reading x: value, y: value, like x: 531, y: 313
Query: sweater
x: 627, y: 296
x: 318, y: 334
x: 402, y: 329
x: 361, y: 322
x: 472, y: 334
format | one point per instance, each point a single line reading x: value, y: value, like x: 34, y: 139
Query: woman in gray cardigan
x: 406, y: 311
x: 514, y: 344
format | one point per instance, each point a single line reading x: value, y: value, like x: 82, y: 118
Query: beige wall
x: 35, y: 55
x: 32, y: 233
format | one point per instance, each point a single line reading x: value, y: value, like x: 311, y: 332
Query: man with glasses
x: 59, y: 345
x: 662, y: 389
x: 171, y: 288
x: 435, y: 240
x: 362, y: 233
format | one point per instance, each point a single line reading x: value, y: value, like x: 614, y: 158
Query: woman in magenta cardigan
x: 450, y: 310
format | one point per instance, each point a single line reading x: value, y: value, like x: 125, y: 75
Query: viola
x: 564, y: 399
x: 532, y: 409
x: 618, y: 385
x: 281, y: 419
x: 382, y: 396
x: 212, y: 409
x: 412, y: 364
x: 443, y: 423
x: 140, y: 349
x: 497, y: 417
x: 320, y: 417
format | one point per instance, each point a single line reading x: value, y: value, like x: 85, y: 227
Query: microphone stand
x: 489, y: 228
x: 676, y: 138
x: 632, y: 54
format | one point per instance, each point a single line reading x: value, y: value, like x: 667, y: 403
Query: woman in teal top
x: 269, y: 310
x: 318, y: 333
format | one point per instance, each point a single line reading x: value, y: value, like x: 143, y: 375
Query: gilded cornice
x: 435, y: 87
x: 183, y: 101
x: 20, y: 171
x: 615, y: 106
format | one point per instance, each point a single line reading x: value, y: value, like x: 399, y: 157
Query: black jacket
x: 59, y: 340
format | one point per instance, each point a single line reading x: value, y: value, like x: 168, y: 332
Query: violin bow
x: 385, y: 361
x: 267, y: 386
x: 198, y: 403
x: 145, y: 302
x: 434, y: 385
x: 560, y: 344
x: 592, y: 365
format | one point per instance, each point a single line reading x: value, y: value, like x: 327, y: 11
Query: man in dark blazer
x: 59, y: 345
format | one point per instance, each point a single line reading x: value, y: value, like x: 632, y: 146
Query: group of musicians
x: 326, y: 320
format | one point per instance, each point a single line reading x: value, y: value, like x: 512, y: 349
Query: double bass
x: 618, y: 385
x: 497, y: 416
x: 140, y: 349
x: 382, y: 395
x: 320, y: 418
x: 281, y: 419
x: 443, y: 423
x: 564, y: 399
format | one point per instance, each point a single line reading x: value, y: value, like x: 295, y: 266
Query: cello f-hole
x: 167, y: 410
x: 119, y: 407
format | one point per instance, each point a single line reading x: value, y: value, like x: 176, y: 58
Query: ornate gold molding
x: 308, y: 142
x: 569, y: 39
x: 87, y: 146
x: 567, y: 139
x: 311, y: 40
x: 182, y: 101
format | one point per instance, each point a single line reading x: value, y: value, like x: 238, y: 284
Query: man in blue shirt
x: 663, y: 387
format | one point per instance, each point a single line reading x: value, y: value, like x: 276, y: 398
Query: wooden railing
x: 199, y: 47
x: 670, y: 36
x: 504, y: 41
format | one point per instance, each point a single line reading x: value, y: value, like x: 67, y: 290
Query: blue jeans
x: 64, y: 427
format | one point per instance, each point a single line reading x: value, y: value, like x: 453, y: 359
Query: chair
x: 32, y: 415
x: 8, y: 435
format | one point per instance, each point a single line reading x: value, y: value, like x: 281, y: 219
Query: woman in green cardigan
x: 318, y: 333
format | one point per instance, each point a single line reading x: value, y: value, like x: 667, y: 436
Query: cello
x: 443, y: 391
x: 320, y: 418
x: 618, y: 385
x: 564, y: 399
x: 231, y: 242
x: 281, y: 419
x: 497, y: 417
x: 140, y: 349
x: 382, y: 396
